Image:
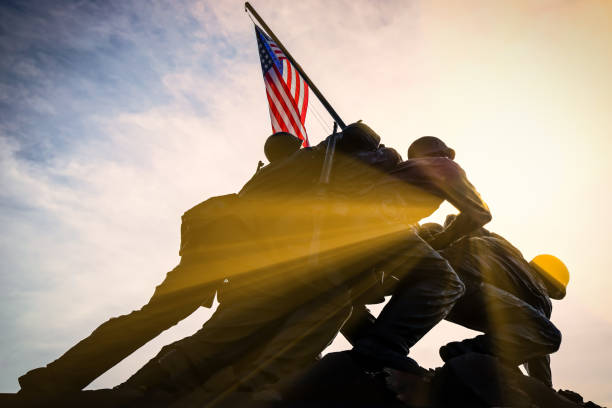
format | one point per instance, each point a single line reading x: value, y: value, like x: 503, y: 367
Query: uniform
x: 188, y: 286
x: 282, y: 297
x: 504, y: 298
x: 427, y: 286
x: 507, y: 300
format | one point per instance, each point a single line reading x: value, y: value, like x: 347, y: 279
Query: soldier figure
x: 506, y: 297
x: 280, y: 307
x: 427, y: 286
x: 287, y: 313
x: 211, y: 239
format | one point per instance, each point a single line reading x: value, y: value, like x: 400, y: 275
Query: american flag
x: 286, y: 89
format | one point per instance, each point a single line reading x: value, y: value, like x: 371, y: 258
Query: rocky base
x: 472, y: 380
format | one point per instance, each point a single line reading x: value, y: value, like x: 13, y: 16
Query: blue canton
x: 266, y: 55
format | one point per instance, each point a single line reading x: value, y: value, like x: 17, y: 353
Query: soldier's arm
x: 456, y: 189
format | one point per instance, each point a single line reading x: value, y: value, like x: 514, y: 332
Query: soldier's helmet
x: 358, y: 137
x: 281, y: 145
x: 429, y: 146
x: 554, y: 273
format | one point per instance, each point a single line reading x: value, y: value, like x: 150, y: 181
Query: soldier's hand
x: 439, y: 241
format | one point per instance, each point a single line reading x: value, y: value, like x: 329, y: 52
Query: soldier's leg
x: 539, y: 368
x: 427, y: 291
x: 277, y: 351
x: 514, y: 330
x: 361, y: 320
x: 117, y: 338
x: 237, y: 327
x: 304, y: 334
x: 358, y: 324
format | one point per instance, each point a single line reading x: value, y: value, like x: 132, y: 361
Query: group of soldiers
x: 293, y: 261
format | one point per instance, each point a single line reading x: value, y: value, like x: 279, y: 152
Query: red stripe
x: 275, y: 126
x: 289, y: 67
x: 286, y: 108
x: 304, y: 103
x: 286, y: 92
x: 277, y: 116
x: 295, y: 111
x: 290, y: 126
x: 301, y: 110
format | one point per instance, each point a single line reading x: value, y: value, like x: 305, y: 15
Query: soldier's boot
x: 166, y: 376
x: 478, y: 344
x: 45, y: 382
x: 372, y: 358
x: 422, y: 299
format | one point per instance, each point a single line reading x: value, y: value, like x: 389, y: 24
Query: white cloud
x: 89, y: 232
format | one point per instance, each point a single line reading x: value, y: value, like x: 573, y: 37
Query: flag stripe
x: 289, y: 75
x: 288, y: 103
x: 296, y: 93
x: 277, y: 103
x: 287, y: 118
x: 286, y: 90
x: 277, y: 115
x: 273, y: 116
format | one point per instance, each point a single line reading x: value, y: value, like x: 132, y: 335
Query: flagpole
x: 297, y: 66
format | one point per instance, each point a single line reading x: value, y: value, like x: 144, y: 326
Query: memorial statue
x: 289, y: 310
x: 506, y: 298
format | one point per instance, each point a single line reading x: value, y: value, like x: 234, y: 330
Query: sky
x: 116, y: 117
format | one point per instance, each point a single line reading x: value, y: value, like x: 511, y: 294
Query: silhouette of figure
x: 210, y: 237
x: 506, y: 297
x: 390, y: 207
x: 184, y: 289
x: 212, y: 241
x: 427, y: 285
x: 282, y: 289
x: 273, y: 281
x: 289, y: 312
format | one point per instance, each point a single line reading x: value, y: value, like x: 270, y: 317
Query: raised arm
x: 452, y: 184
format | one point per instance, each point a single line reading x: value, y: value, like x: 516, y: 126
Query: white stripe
x: 295, y: 115
x: 294, y: 75
x: 279, y: 108
x: 285, y: 70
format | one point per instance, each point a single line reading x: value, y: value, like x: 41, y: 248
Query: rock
x: 472, y: 380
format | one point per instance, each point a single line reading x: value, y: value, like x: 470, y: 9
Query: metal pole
x: 297, y: 66
x: 321, y: 203
x: 329, y: 155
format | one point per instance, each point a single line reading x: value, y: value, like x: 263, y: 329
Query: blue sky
x: 68, y: 71
x: 60, y: 53
x: 116, y: 117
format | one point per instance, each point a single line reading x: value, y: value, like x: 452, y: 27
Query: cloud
x: 117, y: 117
x: 104, y: 149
